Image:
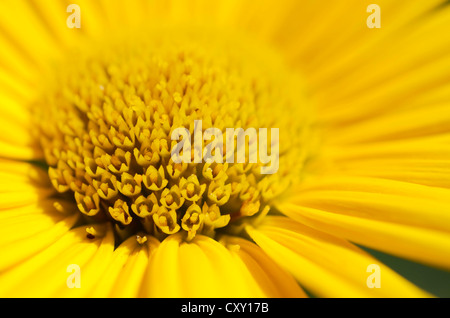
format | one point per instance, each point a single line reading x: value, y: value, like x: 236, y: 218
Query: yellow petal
x: 21, y: 184
x: 385, y: 70
x: 17, y: 139
x: 272, y: 279
x: 326, y: 265
x: 46, y: 274
x: 201, y: 268
x: 413, y: 242
x: 91, y: 267
x: 410, y: 123
x: 163, y: 277
x: 18, y: 251
x: 378, y: 199
x: 19, y: 223
x: 129, y: 282
x: 124, y: 273
x: 417, y: 160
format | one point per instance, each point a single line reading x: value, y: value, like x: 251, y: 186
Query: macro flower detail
x: 358, y: 117
x: 111, y: 167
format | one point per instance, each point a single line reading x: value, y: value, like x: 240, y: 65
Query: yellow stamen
x: 106, y: 133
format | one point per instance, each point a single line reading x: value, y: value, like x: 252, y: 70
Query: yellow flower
x: 87, y: 177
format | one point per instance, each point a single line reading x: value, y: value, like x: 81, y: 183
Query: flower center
x: 106, y: 127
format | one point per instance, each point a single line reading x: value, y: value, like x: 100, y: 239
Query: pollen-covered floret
x: 106, y: 134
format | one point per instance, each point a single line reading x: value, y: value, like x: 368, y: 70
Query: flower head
x: 88, y: 176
